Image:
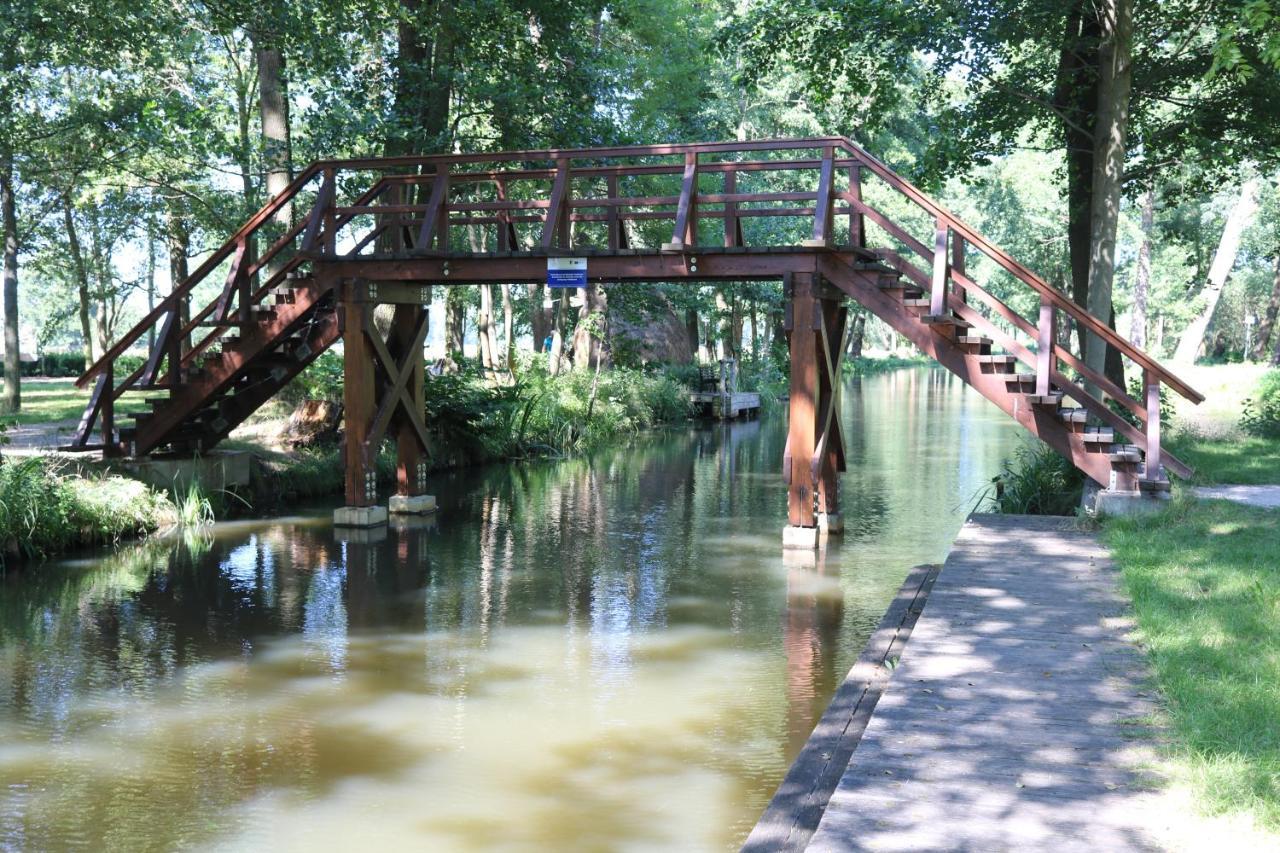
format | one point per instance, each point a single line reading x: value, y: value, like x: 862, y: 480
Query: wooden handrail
x: 1046, y: 290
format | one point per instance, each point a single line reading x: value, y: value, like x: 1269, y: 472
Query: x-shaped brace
x: 397, y: 394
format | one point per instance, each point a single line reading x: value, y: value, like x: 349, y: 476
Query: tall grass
x: 1036, y: 481
x: 44, y: 510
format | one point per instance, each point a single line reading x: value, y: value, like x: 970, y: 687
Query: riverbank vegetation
x: 46, y: 508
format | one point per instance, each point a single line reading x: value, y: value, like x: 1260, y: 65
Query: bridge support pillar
x: 383, y: 396
x: 816, y: 320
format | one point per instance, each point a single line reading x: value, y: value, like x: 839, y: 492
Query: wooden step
x: 1126, y: 454
x: 1152, y: 485
x: 1052, y: 399
x: 1100, y: 436
x: 1074, y: 416
x: 946, y: 320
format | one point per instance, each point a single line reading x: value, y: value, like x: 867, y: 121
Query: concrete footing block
x: 359, y: 516
x: 411, y: 504
x: 800, y: 537
x: 831, y: 522
x: 1114, y: 503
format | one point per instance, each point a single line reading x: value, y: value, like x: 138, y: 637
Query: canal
x: 605, y: 653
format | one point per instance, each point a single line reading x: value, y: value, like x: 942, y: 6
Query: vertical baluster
x: 957, y: 262
x: 1044, y: 347
x: 109, y: 446
x: 1152, y: 384
x: 941, y: 271
x: 613, y: 215
x: 823, y: 202
x: 330, y: 238
x: 686, y: 229
x: 857, y: 225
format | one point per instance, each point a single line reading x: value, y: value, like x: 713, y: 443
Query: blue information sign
x: 566, y: 272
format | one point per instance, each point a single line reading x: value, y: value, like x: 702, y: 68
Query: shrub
x: 321, y: 380
x: 1261, y: 412
x: 42, y: 511
x: 1037, y: 481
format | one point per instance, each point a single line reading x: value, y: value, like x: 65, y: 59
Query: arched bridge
x: 829, y: 220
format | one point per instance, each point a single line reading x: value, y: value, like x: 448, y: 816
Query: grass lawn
x: 45, y: 400
x: 1205, y: 581
x: 1208, y: 438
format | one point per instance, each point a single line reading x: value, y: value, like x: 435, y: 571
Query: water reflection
x: 591, y: 654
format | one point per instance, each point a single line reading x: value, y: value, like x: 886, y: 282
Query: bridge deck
x: 1017, y: 718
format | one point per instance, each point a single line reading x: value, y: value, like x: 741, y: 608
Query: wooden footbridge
x: 822, y: 215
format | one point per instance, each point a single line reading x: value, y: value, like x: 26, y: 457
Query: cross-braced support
x: 383, y: 396
x: 816, y: 320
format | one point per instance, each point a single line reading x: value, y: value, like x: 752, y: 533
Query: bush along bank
x: 46, y: 508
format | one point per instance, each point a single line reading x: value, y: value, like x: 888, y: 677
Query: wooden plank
x: 685, y: 233
x: 938, y: 282
x: 1007, y: 722
x: 1151, y: 383
x: 732, y: 226
x: 435, y: 218
x: 556, y: 210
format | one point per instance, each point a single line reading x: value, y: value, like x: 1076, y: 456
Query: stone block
x: 800, y: 537
x: 1109, y: 502
x: 359, y: 516
x: 411, y: 504
x: 831, y: 522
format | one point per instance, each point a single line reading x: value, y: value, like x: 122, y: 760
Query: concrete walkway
x: 1018, y: 716
x: 1263, y: 496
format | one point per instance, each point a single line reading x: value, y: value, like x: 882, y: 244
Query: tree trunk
x: 1114, y: 82
x: 82, y: 276
x: 856, y: 335
x: 557, y: 336
x: 1268, y: 324
x: 1224, y: 259
x: 9, y: 218
x: 1142, y: 280
x: 484, y: 329
x: 691, y: 324
x: 1075, y: 102
x: 540, y: 315
x: 178, y: 237
x: 277, y: 143
x: 508, y: 331
x: 424, y: 77
x: 591, y: 335
x: 455, y: 318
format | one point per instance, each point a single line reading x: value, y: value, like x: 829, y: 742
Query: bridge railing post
x: 685, y: 234
x: 1151, y: 384
x: 823, y: 205
x: 109, y: 446
x: 857, y: 224
x: 941, y: 269
x: 1044, y: 347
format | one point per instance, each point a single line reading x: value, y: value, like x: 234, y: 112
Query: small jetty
x: 718, y: 395
x: 1016, y: 716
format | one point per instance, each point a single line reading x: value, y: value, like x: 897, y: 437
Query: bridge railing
x: 799, y: 193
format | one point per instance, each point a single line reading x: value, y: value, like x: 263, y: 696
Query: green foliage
x: 321, y: 380
x: 43, y: 511
x: 1261, y: 416
x: 1037, y: 481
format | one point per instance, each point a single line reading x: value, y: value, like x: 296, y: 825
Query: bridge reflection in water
x: 607, y: 651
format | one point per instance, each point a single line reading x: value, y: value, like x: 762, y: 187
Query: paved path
x: 1017, y: 716
x: 1265, y: 496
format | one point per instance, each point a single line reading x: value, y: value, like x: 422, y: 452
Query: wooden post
x: 1044, y: 347
x: 613, y: 219
x: 822, y: 206
x: 330, y: 235
x: 834, y: 318
x: 938, y: 284
x: 358, y: 405
x: 857, y: 225
x: 109, y: 446
x: 957, y: 261
x: 1152, y: 384
x: 802, y: 415
x: 556, y: 226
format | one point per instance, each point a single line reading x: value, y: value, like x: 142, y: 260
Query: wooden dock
x: 714, y: 404
x: 1018, y: 716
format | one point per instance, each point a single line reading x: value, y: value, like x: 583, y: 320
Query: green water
x: 596, y: 654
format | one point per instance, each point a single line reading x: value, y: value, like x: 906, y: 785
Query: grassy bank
x: 46, y: 509
x: 1205, y: 581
